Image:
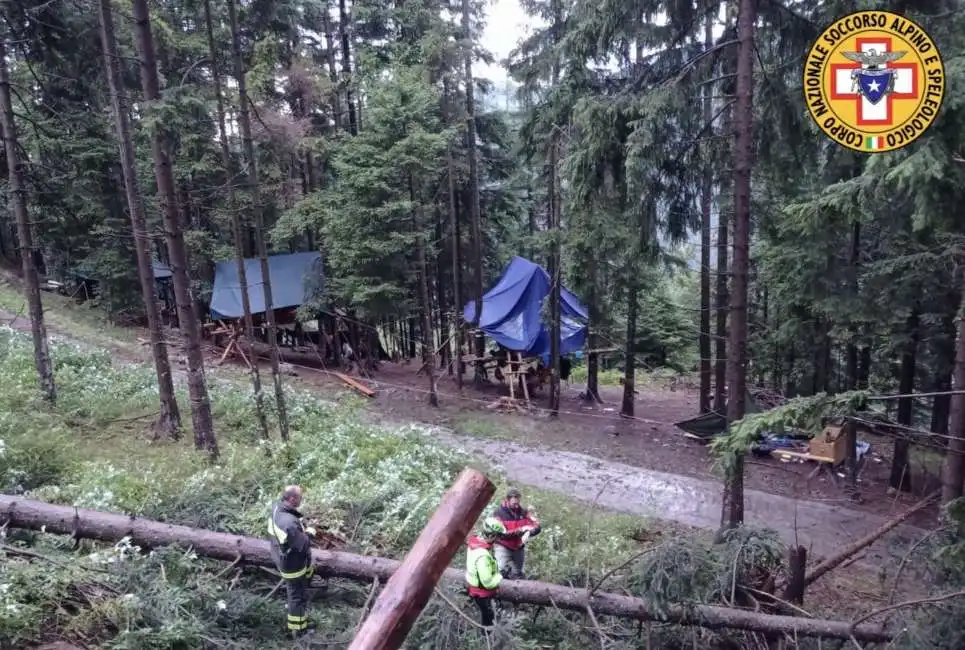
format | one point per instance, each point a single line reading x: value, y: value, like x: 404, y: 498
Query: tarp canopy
x: 295, y: 278
x: 712, y: 423
x: 511, y: 312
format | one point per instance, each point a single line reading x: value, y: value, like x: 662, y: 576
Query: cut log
x: 410, y: 587
x: 17, y: 512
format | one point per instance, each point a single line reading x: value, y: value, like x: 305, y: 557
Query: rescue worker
x: 292, y: 552
x: 520, y: 527
x: 482, y: 572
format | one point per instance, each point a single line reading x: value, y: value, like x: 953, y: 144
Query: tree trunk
x: 343, y: 35
x: 944, y: 350
x: 629, y: 372
x: 900, y: 478
x: 168, y: 423
x: 475, y: 216
x: 706, y: 204
x: 428, y: 351
x: 953, y: 467
x: 721, y: 308
x: 249, y: 321
x: 201, y: 419
x: 456, y: 272
x: 441, y: 294
x: 111, y: 527
x: 732, y: 510
x: 592, y: 338
x: 332, y: 68
x: 258, y: 210
x: 555, y: 277
x: 409, y: 589
x: 18, y: 201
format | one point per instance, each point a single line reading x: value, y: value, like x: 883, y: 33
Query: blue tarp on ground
x: 511, y: 312
x: 294, y: 279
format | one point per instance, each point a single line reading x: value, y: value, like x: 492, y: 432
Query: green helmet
x: 492, y: 527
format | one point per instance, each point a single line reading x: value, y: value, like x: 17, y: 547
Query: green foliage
x: 802, y: 413
x: 695, y: 570
x: 373, y: 487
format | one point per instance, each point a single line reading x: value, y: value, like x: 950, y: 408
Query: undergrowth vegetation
x: 371, y: 489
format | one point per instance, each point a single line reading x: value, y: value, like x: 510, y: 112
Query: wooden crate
x: 831, y: 444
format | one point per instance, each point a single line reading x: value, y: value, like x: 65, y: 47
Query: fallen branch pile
x: 18, y: 512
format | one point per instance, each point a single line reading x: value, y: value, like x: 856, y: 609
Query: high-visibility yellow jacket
x: 482, y: 572
x: 291, y: 547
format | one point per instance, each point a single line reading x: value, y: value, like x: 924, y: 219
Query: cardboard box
x: 831, y: 444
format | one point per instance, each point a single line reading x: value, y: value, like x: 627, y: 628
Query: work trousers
x: 510, y: 561
x: 486, y: 612
x: 297, y: 589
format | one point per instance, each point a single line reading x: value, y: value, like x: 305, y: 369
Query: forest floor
x: 643, y: 465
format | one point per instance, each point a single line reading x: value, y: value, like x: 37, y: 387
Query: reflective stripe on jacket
x: 514, y: 519
x: 482, y: 572
x: 291, y: 548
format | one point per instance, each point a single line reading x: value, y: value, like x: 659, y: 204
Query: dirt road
x: 692, y: 501
x: 822, y: 528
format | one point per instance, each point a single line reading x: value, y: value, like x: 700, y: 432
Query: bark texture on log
x: 18, y: 512
x: 408, y: 590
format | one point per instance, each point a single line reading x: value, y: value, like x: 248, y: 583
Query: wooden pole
x: 410, y: 587
x: 17, y: 512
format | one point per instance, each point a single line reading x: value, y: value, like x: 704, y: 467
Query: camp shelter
x: 295, y: 279
x: 511, y: 312
x: 708, y: 425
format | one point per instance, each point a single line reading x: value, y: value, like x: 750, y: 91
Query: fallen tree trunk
x: 408, y: 590
x: 18, y: 512
x: 853, y: 549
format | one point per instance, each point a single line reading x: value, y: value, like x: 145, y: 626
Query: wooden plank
x: 227, y: 350
x: 408, y: 590
x: 362, y: 388
x: 802, y: 456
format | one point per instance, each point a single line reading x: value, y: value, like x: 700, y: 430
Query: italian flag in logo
x: 874, y: 143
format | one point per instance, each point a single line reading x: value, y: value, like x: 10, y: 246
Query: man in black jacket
x: 291, y: 550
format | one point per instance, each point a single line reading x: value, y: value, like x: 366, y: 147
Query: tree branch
x: 909, y: 603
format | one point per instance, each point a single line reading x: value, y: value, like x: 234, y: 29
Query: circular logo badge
x: 874, y: 81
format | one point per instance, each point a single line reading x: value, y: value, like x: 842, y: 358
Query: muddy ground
x: 648, y: 441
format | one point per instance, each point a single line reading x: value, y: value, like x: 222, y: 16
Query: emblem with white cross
x: 874, y: 80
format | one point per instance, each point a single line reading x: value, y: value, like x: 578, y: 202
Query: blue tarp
x: 511, y: 312
x: 294, y: 279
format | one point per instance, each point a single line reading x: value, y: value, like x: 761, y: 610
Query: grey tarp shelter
x: 706, y: 426
x: 295, y: 279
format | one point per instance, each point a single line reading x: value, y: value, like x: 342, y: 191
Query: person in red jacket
x: 520, y: 527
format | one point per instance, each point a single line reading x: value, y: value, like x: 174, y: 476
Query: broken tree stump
x: 17, y: 512
x: 797, y: 567
x: 410, y: 587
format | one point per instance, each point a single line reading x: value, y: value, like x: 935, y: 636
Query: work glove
x: 310, y: 531
x: 525, y: 537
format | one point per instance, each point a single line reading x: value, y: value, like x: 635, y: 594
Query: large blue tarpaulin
x: 295, y: 278
x: 511, y: 312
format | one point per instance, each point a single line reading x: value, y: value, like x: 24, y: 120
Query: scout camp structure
x: 511, y: 312
x: 296, y: 279
x: 511, y: 316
